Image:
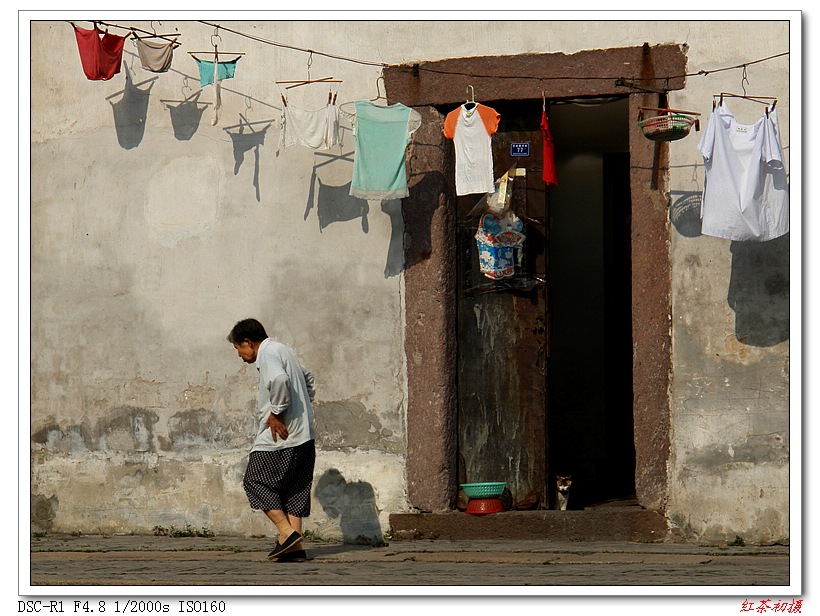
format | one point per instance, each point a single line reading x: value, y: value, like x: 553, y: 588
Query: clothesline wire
x: 168, y: 37
x: 284, y: 45
x: 701, y: 72
x: 743, y: 66
x: 602, y: 78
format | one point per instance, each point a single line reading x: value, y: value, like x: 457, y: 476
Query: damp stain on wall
x: 122, y: 429
x: 349, y: 424
x: 137, y: 429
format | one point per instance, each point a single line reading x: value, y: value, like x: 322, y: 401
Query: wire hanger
x: 379, y: 96
x: 763, y: 100
x: 301, y: 82
x: 216, y: 51
x: 470, y: 101
x: 171, y: 38
x: 331, y: 97
x: 348, y: 108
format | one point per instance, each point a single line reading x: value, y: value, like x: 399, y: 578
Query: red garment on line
x: 549, y: 175
x: 100, y: 53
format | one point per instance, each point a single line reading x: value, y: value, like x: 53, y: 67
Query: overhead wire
x: 743, y: 66
x: 286, y: 46
x: 418, y: 66
x: 133, y: 29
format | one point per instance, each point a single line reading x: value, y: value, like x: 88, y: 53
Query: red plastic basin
x: 482, y: 506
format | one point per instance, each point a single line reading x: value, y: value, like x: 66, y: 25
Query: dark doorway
x: 590, y: 362
x: 502, y: 333
x: 545, y: 385
x: 430, y: 217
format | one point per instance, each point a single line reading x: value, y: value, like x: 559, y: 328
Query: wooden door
x: 503, y: 329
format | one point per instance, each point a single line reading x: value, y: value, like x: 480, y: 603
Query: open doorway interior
x: 501, y: 319
x: 545, y: 356
x: 589, y: 372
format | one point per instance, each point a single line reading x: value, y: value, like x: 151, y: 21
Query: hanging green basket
x: 666, y: 127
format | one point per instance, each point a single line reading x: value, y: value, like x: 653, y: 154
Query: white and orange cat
x: 562, y: 485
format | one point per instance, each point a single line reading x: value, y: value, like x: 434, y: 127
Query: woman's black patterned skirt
x: 281, y: 479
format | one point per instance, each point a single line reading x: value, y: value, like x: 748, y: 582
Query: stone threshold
x: 600, y: 524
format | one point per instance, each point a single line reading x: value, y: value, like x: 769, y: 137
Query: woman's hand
x: 277, y: 427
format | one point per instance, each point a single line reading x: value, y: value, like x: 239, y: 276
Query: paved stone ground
x: 230, y: 561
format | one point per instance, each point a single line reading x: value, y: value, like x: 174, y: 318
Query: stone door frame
x: 644, y: 74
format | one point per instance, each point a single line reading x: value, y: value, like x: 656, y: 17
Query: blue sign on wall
x: 520, y: 148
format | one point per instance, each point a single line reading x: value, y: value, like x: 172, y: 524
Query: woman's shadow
x: 353, y: 504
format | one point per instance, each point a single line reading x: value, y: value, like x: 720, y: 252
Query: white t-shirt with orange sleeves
x: 471, y: 131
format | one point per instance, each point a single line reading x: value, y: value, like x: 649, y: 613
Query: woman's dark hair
x: 247, y: 329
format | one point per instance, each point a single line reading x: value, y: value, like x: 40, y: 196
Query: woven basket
x: 666, y: 127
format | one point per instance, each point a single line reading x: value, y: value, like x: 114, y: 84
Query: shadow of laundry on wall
x: 353, y: 504
x: 395, y: 251
x: 131, y: 111
x: 314, y: 176
x: 334, y: 204
x: 245, y: 140
x: 684, y: 213
x: 759, y: 291
x: 186, y: 115
x: 427, y: 196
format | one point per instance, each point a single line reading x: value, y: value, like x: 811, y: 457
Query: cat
x: 562, y: 484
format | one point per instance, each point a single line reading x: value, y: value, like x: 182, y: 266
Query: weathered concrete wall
x: 729, y: 463
x: 149, y: 239
x: 147, y: 247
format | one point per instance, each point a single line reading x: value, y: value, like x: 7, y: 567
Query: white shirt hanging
x: 746, y: 195
x: 317, y: 129
x: 471, y: 131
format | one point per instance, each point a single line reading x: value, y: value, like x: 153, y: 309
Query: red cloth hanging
x: 100, y: 53
x: 549, y: 175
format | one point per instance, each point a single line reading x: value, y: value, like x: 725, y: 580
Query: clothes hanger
x: 216, y: 51
x: 348, y: 107
x: 331, y: 98
x: 302, y: 82
x: 470, y: 101
x: 763, y: 100
x: 95, y: 25
x: 378, y: 90
x: 153, y: 34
